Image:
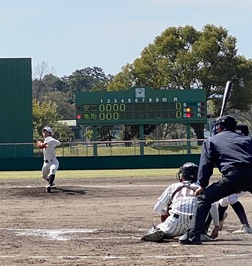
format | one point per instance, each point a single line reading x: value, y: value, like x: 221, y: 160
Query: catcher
x: 51, y: 164
x: 177, y: 206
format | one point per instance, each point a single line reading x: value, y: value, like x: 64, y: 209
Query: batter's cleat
x: 48, y: 188
x: 222, y: 221
x: 186, y: 240
x: 244, y: 230
x: 205, y: 238
x: 154, y: 235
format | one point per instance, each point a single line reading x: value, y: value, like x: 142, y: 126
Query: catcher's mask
x: 188, y: 171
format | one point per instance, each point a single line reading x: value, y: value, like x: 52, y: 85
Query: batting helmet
x: 226, y: 122
x: 188, y: 171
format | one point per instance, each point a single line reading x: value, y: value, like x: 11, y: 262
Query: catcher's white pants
x: 49, y: 168
x: 175, y: 225
x: 231, y: 199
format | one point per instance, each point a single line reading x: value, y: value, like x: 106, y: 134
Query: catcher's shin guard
x: 51, y: 179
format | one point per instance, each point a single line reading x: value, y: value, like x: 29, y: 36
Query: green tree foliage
x: 64, y: 108
x: 184, y: 58
x: 86, y: 79
x: 57, y: 94
x: 45, y: 114
x: 122, y: 80
x: 48, y: 83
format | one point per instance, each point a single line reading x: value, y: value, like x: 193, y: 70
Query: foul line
x: 123, y: 257
x: 67, y: 234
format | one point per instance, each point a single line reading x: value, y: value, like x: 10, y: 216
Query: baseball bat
x: 227, y: 91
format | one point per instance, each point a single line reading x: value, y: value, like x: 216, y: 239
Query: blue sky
x: 70, y: 35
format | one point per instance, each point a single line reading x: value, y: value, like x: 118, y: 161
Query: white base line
x: 121, y: 257
x: 62, y: 234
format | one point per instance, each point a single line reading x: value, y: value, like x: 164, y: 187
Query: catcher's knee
x: 232, y: 199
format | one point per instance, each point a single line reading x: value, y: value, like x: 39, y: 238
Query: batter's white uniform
x: 182, y: 205
x: 51, y: 164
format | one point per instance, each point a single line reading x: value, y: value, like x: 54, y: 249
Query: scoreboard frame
x: 141, y: 105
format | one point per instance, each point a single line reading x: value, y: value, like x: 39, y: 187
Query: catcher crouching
x: 176, y: 207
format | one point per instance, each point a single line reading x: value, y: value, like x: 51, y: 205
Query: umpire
x: 232, y: 154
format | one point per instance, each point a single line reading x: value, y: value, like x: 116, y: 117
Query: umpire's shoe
x: 187, y: 239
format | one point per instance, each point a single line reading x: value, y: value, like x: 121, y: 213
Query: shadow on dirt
x: 37, y: 192
x: 69, y: 191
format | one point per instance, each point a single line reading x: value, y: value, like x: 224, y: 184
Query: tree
x: 64, y: 109
x: 184, y: 58
x: 46, y: 84
x: 86, y: 79
x: 42, y: 69
x: 50, y: 91
x: 45, y: 114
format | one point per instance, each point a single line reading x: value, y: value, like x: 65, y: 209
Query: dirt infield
x: 100, y: 222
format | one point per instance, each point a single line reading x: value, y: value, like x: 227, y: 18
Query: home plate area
x: 101, y: 221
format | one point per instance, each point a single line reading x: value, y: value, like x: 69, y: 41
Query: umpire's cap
x: 226, y: 122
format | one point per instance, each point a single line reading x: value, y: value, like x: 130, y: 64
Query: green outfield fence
x: 107, y: 155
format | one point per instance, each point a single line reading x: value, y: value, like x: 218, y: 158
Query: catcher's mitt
x: 164, y: 217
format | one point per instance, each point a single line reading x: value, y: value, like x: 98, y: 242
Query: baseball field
x: 98, y: 218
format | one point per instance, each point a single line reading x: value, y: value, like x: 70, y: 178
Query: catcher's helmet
x: 188, y: 171
x: 226, y: 122
x: 242, y: 129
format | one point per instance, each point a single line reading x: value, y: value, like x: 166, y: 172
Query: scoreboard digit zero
x: 141, y: 105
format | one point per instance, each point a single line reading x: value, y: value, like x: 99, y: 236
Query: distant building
x: 78, y: 131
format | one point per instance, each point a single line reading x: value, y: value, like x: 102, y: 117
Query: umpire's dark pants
x: 234, y: 181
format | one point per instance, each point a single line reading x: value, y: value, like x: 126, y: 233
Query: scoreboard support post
x: 141, y: 138
x: 188, y: 136
x: 95, y: 139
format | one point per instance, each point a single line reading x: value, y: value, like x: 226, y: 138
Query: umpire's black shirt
x: 227, y: 150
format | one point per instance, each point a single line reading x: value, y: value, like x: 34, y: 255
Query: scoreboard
x: 141, y: 105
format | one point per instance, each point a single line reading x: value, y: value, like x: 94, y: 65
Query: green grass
x: 81, y: 150
x: 89, y: 173
x: 94, y: 173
